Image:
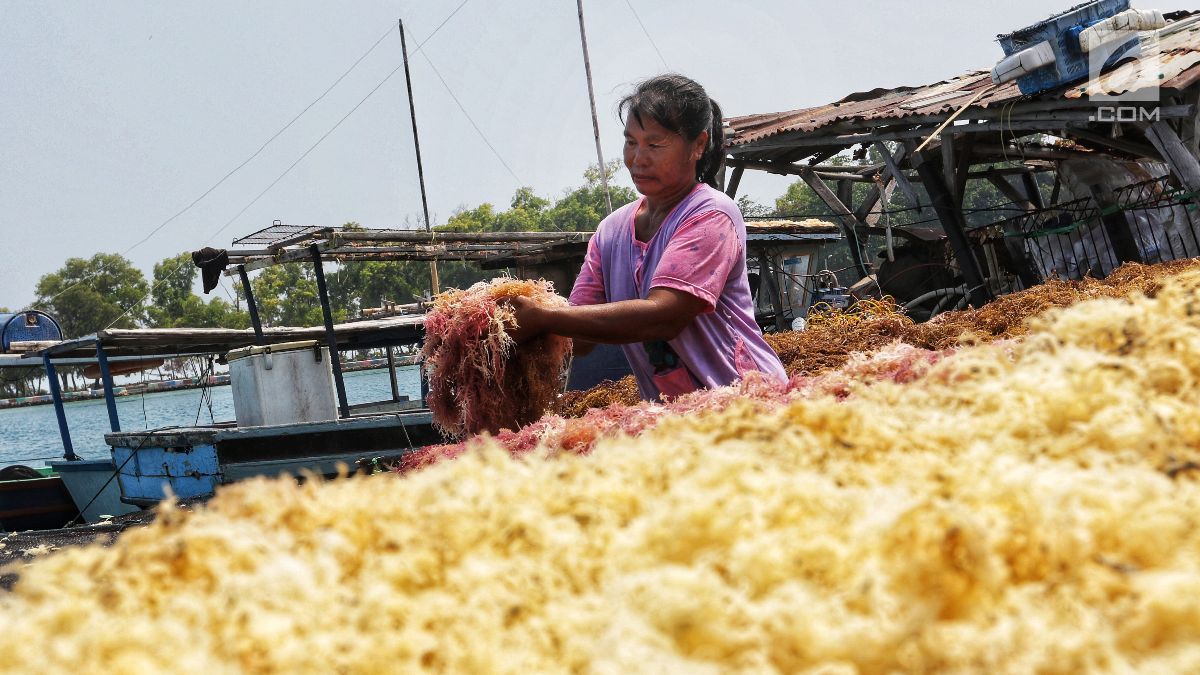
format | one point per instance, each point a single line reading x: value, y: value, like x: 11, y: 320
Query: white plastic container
x: 282, y: 384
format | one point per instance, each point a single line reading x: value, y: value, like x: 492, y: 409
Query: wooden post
x: 846, y: 219
x: 335, y: 358
x: 767, y: 280
x: 412, y: 113
x: 61, y: 414
x: 893, y: 164
x: 845, y: 194
x: 955, y: 228
x: 870, y: 210
x: 963, y: 168
x: 949, y: 166
x: 110, y: 401
x: 1120, y: 234
x: 1032, y: 191
x: 734, y: 181
x: 587, y: 69
x: 391, y: 360
x: 1013, y: 246
x: 251, y: 305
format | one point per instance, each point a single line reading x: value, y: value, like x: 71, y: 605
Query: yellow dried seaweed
x: 1026, y: 506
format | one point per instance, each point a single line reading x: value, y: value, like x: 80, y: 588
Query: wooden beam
x: 845, y: 217
x: 735, y: 181
x: 1032, y: 191
x: 868, y: 211
x: 1013, y: 194
x: 1017, y: 153
x: 893, y: 163
x: 954, y: 225
x: 950, y: 166
x: 962, y: 170
x: 1182, y: 162
x: 845, y: 192
x: 1119, y: 144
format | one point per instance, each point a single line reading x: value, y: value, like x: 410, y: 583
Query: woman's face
x: 661, y: 162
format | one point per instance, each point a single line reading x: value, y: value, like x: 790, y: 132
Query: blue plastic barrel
x: 30, y: 326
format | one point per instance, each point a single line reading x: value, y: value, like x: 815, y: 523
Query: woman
x: 665, y: 276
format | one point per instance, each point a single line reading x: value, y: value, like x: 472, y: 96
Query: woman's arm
x: 661, y: 316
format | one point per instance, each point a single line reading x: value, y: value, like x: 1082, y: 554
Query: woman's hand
x: 531, y: 319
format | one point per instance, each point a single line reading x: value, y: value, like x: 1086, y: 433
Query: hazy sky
x: 116, y: 115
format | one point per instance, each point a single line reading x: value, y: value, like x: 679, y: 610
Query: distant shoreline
x: 175, y: 385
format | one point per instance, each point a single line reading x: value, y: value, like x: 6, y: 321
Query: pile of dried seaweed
x: 1019, y: 506
x: 479, y: 379
x: 832, y: 337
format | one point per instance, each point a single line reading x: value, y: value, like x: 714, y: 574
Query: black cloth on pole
x: 212, y: 262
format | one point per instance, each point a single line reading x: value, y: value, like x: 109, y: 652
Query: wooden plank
x: 441, y: 237
x: 845, y: 217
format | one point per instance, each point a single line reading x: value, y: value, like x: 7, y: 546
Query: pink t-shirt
x: 697, y: 262
x: 700, y: 249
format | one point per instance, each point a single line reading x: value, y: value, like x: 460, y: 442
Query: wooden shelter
x: 941, y: 136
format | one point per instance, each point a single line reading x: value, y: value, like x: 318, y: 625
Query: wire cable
x: 472, y: 121
x: 639, y: 21
x: 244, y: 162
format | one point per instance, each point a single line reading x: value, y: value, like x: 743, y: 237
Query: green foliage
x: 175, y: 305
x: 87, y: 295
x: 286, y: 295
x: 582, y: 209
x: 753, y: 209
x: 171, y: 288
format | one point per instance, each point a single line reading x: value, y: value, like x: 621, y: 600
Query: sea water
x: 30, y: 435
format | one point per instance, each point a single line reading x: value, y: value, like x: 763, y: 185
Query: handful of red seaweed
x: 479, y: 378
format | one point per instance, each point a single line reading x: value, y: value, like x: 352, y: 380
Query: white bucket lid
x: 235, y: 354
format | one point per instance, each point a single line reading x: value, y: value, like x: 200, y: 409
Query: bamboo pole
x: 587, y: 69
x: 412, y: 112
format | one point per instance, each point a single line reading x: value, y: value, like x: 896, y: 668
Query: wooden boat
x: 35, y: 503
x: 194, y: 461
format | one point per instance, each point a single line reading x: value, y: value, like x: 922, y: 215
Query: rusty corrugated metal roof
x: 1177, y: 54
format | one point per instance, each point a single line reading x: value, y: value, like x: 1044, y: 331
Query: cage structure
x: 28, y: 326
x: 1149, y: 222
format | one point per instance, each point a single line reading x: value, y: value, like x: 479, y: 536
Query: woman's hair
x: 681, y: 105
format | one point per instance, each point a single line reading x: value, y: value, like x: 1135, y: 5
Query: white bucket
x: 282, y: 384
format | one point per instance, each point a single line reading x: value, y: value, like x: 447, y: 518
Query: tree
x: 286, y: 295
x: 173, y: 279
x: 582, y: 209
x: 175, y: 305
x: 752, y: 209
x: 87, y: 295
